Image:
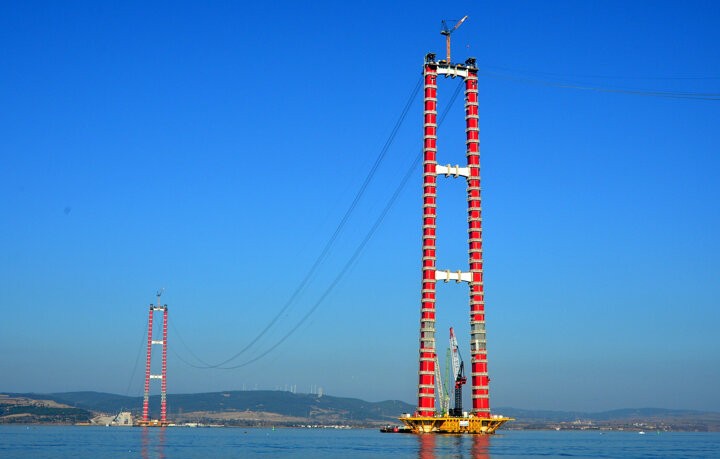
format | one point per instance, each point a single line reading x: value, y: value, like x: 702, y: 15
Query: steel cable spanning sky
x: 328, y: 245
x: 358, y: 251
x: 586, y: 87
x: 326, y: 249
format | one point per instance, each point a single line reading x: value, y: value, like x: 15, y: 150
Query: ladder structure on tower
x: 426, y: 419
x: 151, y: 341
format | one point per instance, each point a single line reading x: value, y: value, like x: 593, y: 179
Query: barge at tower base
x: 454, y: 425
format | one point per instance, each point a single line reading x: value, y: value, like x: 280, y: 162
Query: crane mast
x: 447, y: 31
x: 458, y: 368
x: 454, y: 353
x: 442, y: 389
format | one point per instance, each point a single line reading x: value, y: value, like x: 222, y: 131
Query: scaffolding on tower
x: 146, y: 421
x: 426, y: 419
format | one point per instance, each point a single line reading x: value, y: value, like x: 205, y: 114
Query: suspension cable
x: 137, y: 359
x: 356, y: 254
x: 635, y: 92
x: 338, y: 230
x: 182, y: 341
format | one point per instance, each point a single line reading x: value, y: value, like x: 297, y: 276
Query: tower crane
x: 447, y: 31
x: 458, y: 368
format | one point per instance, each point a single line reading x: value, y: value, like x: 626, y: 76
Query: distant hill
x: 39, y: 410
x: 628, y: 418
x: 286, y: 408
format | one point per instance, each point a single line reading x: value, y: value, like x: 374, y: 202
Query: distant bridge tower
x: 146, y: 421
x: 430, y: 273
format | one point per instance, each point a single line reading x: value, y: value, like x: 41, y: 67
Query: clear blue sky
x: 211, y: 148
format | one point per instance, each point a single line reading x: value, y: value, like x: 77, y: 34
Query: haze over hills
x: 245, y: 406
x: 286, y: 408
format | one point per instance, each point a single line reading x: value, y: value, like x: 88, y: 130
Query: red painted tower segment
x: 163, y: 384
x: 146, y: 396
x: 426, y: 384
x: 478, y: 349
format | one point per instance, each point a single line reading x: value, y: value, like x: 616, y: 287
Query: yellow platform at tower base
x: 152, y: 423
x: 454, y: 425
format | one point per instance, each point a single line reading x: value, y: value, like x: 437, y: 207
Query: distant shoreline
x: 281, y: 409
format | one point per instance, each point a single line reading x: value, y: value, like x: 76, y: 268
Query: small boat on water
x: 394, y: 429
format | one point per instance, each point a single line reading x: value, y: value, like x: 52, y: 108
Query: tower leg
x: 478, y: 348
x: 163, y: 383
x: 146, y: 396
x: 426, y: 384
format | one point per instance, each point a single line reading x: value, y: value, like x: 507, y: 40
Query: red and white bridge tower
x: 146, y: 421
x: 430, y: 273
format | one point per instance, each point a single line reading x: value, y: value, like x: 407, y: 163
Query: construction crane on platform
x: 458, y: 368
x: 442, y: 389
x: 447, y: 31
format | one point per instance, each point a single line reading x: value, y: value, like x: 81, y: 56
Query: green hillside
x: 288, y: 404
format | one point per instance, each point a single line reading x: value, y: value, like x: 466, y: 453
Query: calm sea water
x: 204, y: 443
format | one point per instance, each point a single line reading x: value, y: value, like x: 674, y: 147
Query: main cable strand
x: 137, y: 359
x: 182, y: 341
x: 636, y: 92
x: 358, y: 251
x: 341, y: 225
